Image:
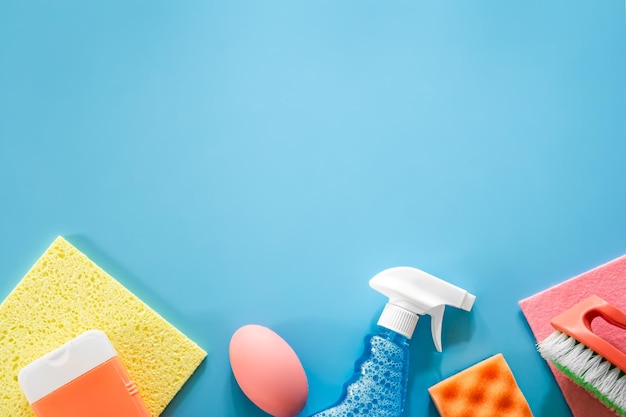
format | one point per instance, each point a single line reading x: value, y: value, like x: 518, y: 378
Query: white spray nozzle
x: 412, y: 292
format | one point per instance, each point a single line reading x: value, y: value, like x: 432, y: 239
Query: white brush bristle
x: 586, y: 365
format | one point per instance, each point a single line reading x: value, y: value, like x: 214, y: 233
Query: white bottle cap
x: 399, y: 320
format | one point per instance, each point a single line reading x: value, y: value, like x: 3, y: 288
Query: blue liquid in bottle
x: 378, y: 386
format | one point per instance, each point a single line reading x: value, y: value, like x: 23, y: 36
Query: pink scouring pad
x: 608, y: 282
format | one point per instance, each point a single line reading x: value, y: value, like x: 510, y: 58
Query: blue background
x: 257, y: 162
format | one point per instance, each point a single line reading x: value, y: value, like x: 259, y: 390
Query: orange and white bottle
x: 84, y: 377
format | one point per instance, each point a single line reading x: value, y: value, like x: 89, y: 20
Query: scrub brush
x: 585, y: 357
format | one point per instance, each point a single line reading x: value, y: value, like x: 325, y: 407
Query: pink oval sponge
x: 268, y: 371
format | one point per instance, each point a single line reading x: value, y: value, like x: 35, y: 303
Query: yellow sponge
x: 487, y: 389
x: 65, y: 294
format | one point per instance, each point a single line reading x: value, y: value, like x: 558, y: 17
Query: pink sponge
x: 607, y: 281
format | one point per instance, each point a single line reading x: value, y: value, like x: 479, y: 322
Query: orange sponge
x: 486, y: 389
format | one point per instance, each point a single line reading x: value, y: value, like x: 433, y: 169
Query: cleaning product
x: 65, y: 294
x: 606, y: 280
x: 84, y: 377
x: 586, y: 358
x: 487, y: 388
x: 378, y: 386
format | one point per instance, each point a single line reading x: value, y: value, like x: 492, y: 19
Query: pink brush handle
x: 576, y: 322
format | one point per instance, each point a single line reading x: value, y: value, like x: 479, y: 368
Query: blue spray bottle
x: 378, y: 386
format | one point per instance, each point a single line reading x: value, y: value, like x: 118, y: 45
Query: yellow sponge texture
x: 487, y: 389
x: 65, y: 294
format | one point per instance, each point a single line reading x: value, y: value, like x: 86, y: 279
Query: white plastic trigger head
x: 413, y: 292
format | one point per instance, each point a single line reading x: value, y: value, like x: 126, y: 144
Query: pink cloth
x: 608, y: 282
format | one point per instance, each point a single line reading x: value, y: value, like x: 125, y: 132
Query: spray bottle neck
x: 398, y: 319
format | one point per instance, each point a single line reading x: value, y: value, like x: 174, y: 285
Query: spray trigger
x: 436, y: 323
x: 413, y: 292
